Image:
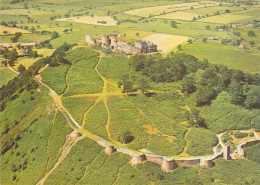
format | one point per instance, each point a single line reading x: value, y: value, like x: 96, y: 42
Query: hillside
x: 78, y: 114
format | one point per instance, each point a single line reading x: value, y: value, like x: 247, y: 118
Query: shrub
x: 240, y: 134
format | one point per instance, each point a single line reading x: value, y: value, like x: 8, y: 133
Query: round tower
x: 110, y: 149
x: 206, y: 163
x: 75, y: 133
x: 136, y: 159
x: 168, y: 164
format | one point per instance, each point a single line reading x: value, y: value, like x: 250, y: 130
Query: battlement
x: 125, y: 45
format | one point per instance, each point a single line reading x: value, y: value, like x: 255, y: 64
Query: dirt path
x: 13, y: 70
x: 69, y: 143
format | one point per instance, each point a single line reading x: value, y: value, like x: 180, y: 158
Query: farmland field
x: 11, y: 30
x: 82, y: 113
x: 96, y: 20
x: 226, y: 18
x: 178, y: 15
x: 225, y: 54
x: 166, y: 42
x: 6, y: 75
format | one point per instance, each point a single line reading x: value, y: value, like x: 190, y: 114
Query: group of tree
x: 242, y: 87
x: 10, y: 55
x: 25, y: 80
x: 16, y: 37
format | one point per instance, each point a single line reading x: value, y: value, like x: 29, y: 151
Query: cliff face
x: 116, y: 44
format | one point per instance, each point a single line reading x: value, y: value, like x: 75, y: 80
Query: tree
x: 207, y: 27
x: 253, y: 98
x: 227, y: 11
x: 55, y: 35
x: 251, y: 33
x: 237, y: 34
x: 204, y: 95
x: 178, y: 70
x: 33, y: 29
x: 143, y: 85
x: 252, y: 43
x: 25, y: 6
x: 128, y: 86
x: 204, y: 40
x: 21, y: 69
x: 187, y: 84
x: 126, y: 137
x: 137, y: 34
x: 236, y: 91
x: 179, y: 47
x: 66, y: 30
x: 173, y: 24
x: 5, y: 32
x: 190, y: 41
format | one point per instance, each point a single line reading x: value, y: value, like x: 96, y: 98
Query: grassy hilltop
x: 203, y: 82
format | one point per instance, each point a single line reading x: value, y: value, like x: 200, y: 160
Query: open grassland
x: 6, y: 75
x: 10, y: 30
x: 114, y: 67
x: 252, y: 153
x: 211, y: 10
x: 166, y: 42
x: 227, y: 18
x: 225, y: 54
x: 96, y: 20
x: 179, y: 15
x: 83, y: 79
x: 26, y: 62
x: 83, y: 153
x: 157, y: 10
x: 227, y: 172
x: 19, y: 12
x: 97, y: 170
x: 96, y: 120
x: 201, y: 141
x: 27, y: 159
x: 231, y: 118
x: 25, y: 38
x: 136, y: 4
x: 77, y: 106
x: 55, y: 77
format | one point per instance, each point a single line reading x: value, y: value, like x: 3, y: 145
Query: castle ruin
x: 120, y: 44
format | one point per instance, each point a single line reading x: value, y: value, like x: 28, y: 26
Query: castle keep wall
x: 113, y: 42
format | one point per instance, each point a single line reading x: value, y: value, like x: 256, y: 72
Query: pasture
x: 10, y: 30
x: 226, y: 18
x: 166, y: 42
x: 225, y: 54
x: 6, y: 75
x: 164, y: 9
x: 96, y: 20
x: 179, y: 15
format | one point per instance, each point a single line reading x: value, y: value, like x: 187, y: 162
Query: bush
x: 240, y: 134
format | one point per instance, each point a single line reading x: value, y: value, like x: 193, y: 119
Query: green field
x: 225, y: 54
x: 6, y: 75
x: 171, y: 104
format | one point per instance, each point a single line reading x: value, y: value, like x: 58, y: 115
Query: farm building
x: 124, y: 45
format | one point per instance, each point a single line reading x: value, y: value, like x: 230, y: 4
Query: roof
x: 31, y: 43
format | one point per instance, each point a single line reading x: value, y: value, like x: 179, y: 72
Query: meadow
x: 227, y: 18
x: 178, y: 15
x: 96, y: 20
x: 166, y: 42
x: 225, y: 54
x: 6, y: 75
x: 11, y: 31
